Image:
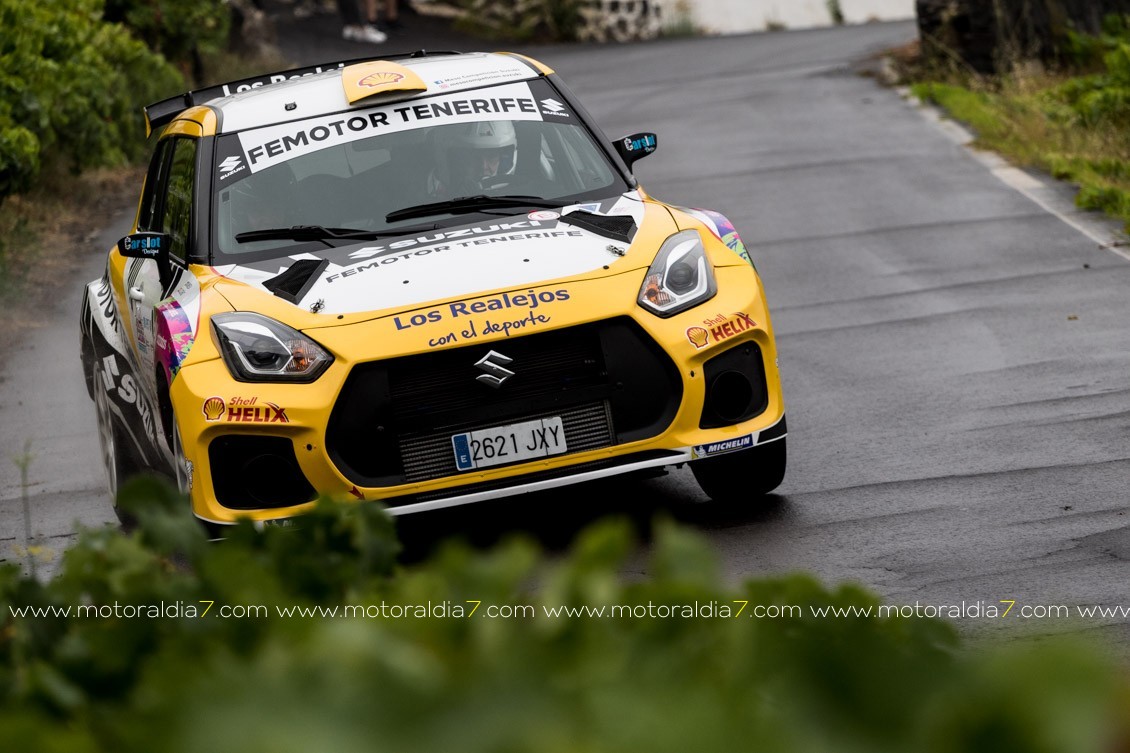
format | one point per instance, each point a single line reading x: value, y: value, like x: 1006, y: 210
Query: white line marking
x: 1095, y: 226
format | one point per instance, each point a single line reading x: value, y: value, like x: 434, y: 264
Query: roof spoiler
x: 160, y: 113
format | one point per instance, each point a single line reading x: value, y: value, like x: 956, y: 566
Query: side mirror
x: 635, y: 147
x: 146, y: 245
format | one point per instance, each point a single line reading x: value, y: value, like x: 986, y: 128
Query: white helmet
x: 486, y: 134
x: 468, y: 155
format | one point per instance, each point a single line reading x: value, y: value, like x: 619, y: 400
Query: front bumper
x: 634, y: 392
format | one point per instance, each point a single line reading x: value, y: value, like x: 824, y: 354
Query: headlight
x: 259, y: 349
x: 680, y: 277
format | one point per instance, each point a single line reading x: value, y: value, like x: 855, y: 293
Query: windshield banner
x: 265, y: 147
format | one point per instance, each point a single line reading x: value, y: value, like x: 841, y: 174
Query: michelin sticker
x: 720, y: 448
x: 266, y: 147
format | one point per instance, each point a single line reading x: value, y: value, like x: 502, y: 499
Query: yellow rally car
x: 426, y: 280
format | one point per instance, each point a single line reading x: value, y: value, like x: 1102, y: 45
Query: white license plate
x: 508, y: 444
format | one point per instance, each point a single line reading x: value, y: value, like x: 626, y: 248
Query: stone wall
x: 620, y: 20
x: 630, y: 20
x: 584, y: 20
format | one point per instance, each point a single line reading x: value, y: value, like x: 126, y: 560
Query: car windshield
x: 378, y: 169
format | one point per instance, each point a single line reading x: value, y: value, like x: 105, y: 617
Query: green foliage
x: 1084, y: 52
x: 71, y: 88
x: 1074, y: 127
x: 472, y: 682
x: 1103, y: 97
x: 836, y: 12
x: 181, y: 31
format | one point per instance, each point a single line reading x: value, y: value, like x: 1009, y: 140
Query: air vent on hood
x: 615, y: 227
x: 297, y: 280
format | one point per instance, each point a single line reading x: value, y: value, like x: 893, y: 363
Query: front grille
x: 610, y: 383
x: 431, y: 456
x: 426, y: 388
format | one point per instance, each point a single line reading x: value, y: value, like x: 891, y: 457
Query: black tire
x: 180, y: 465
x: 117, y: 462
x: 742, y: 477
x: 86, y: 354
x: 171, y: 429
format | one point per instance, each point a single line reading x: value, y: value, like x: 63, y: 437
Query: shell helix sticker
x: 174, y: 336
x: 243, y: 410
x: 719, y: 328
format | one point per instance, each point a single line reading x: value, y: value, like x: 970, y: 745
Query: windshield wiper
x: 465, y: 204
x: 316, y: 233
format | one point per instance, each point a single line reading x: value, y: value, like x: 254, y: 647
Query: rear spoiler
x: 160, y: 113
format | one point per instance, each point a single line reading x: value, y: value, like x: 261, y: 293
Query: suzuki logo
x: 493, y: 364
x: 229, y: 165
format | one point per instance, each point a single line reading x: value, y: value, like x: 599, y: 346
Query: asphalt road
x: 954, y: 357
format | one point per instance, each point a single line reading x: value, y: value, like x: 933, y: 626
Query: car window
x: 353, y: 169
x: 176, y: 209
x: 148, y: 218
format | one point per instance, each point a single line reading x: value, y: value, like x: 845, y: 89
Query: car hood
x: 503, y: 253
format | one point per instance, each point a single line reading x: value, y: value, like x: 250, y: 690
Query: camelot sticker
x: 265, y: 147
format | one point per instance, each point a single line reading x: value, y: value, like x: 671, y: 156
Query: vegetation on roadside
x: 173, y: 653
x: 68, y: 90
x: 74, y: 77
x: 186, y: 34
x: 836, y: 12
x: 1072, y: 120
x: 48, y: 231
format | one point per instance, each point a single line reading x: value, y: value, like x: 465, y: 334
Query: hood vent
x: 614, y: 227
x: 297, y: 280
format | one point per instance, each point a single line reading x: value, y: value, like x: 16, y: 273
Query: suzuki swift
x: 426, y: 280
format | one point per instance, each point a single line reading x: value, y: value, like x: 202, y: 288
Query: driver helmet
x: 480, y: 151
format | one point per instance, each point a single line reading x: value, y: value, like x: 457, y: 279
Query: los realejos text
x: 530, y: 299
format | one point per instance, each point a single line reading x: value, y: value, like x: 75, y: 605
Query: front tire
x: 181, y: 472
x: 742, y: 477
x: 116, y: 460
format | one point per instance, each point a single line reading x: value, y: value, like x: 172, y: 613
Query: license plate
x: 508, y: 444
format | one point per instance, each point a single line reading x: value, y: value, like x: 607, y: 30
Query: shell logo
x: 698, y: 337
x: 384, y: 78
x: 214, y: 408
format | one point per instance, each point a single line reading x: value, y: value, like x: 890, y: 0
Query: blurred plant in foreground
x: 422, y: 666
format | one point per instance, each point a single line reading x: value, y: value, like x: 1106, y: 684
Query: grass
x: 1037, y: 118
x: 49, y: 230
